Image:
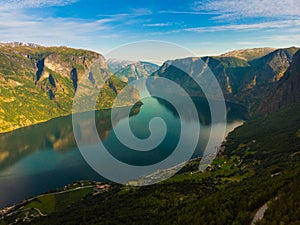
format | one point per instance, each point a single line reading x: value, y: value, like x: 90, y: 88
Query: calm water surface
x: 44, y: 157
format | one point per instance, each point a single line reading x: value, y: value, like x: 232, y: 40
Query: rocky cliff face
x: 270, y: 68
x: 285, y: 92
x: 242, y: 81
x: 225, y: 69
x: 38, y: 83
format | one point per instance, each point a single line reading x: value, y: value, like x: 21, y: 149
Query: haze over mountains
x: 117, y: 64
x: 128, y: 71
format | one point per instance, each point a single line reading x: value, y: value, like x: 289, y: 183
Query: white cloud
x: 291, y: 38
x: 238, y: 9
x: 34, y: 3
x: 157, y: 25
x: 184, y: 12
x: 241, y: 27
x: 17, y: 26
x: 141, y: 12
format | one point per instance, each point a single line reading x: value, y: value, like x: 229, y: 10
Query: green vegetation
x: 285, y: 209
x: 260, y: 163
x: 232, y: 62
x: 51, y: 203
x: 38, y: 83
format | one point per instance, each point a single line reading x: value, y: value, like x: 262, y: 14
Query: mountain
x: 136, y: 71
x: 128, y: 71
x: 271, y: 67
x: 117, y: 64
x: 38, y: 83
x: 262, y: 79
x: 181, y: 71
x: 249, y: 54
x: 286, y: 91
x: 242, y: 82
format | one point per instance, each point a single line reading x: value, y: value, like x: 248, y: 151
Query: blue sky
x: 206, y: 27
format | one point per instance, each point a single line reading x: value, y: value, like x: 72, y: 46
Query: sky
x: 207, y: 27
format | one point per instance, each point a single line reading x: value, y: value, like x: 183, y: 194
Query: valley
x: 149, y: 112
x: 257, y: 164
x: 41, y: 81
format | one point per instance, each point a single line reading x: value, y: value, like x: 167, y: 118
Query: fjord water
x: 43, y: 157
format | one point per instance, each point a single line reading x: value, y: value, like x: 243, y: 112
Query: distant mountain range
x: 129, y: 71
x: 117, y: 64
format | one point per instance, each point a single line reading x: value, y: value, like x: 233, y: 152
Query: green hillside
x: 260, y: 163
x: 38, y: 83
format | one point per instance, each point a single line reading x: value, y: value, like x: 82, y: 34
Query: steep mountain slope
x: 136, y: 71
x: 249, y: 54
x: 228, y: 71
x: 286, y: 91
x: 182, y: 70
x: 38, y: 83
x: 242, y: 82
x: 269, y: 68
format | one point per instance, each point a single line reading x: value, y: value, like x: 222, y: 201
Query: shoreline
x: 130, y: 183
x: 138, y: 104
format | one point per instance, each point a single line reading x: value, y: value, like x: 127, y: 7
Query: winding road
x: 259, y: 214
